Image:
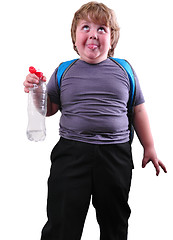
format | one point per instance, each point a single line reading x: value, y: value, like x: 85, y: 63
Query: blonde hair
x: 100, y: 14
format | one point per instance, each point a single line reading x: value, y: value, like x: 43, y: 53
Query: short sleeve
x: 52, y: 88
x: 139, y: 99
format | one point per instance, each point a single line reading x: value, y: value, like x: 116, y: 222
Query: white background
x: 37, y: 32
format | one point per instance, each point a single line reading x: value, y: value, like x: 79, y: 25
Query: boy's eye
x: 86, y: 27
x: 101, y: 29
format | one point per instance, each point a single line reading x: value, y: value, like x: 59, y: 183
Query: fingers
x: 157, y: 164
x: 162, y: 166
x: 145, y: 161
x: 29, y: 82
x: 26, y: 90
x: 44, y: 79
x: 157, y: 167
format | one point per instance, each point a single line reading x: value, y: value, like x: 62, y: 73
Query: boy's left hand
x: 150, y: 155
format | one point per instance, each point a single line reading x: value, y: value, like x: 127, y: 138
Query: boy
x: 93, y: 156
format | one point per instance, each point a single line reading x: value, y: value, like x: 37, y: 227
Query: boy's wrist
x: 150, y: 152
x: 148, y: 146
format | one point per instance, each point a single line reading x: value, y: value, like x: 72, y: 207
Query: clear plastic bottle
x: 37, y: 108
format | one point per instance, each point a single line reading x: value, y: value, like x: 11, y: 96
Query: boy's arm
x: 31, y: 79
x: 143, y: 131
x: 52, y: 108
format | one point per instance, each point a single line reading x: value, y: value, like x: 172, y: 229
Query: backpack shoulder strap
x: 63, y: 68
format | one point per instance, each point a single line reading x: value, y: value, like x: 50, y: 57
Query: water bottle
x: 37, y: 108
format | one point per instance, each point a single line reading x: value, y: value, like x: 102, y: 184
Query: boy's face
x: 93, y: 41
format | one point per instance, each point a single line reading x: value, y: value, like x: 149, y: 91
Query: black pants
x: 79, y: 171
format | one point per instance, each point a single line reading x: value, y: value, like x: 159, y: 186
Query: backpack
x: 125, y: 66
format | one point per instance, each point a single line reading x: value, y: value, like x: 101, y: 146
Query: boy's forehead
x: 89, y: 19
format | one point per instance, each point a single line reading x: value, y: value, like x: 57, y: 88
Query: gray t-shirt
x: 94, y: 101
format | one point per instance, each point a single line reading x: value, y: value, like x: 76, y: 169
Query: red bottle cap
x: 37, y: 73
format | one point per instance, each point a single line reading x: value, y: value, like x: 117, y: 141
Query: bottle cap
x: 37, y: 73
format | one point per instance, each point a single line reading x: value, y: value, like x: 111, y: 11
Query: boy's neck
x: 93, y: 61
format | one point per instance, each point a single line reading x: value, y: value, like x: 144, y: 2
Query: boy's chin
x: 93, y: 58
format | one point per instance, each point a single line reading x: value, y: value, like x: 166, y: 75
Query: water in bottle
x: 37, y: 107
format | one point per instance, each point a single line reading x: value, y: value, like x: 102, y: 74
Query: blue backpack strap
x: 63, y: 68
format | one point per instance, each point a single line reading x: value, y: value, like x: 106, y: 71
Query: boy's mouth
x: 92, y: 46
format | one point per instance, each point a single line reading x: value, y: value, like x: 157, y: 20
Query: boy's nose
x: 93, y: 35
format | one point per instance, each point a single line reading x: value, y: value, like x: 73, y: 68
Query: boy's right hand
x: 30, y: 80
